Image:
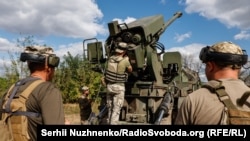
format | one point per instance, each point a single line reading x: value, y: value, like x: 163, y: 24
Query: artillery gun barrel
x: 176, y: 15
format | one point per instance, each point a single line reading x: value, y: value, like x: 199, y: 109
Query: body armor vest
x: 112, y: 74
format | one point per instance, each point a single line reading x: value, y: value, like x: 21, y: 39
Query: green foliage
x: 17, y: 69
x: 4, y: 86
x: 73, y: 73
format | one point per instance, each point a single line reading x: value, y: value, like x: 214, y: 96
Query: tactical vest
x: 233, y: 115
x: 111, y: 73
x: 14, y: 124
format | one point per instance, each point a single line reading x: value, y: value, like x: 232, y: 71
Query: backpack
x: 13, y: 120
x: 234, y: 116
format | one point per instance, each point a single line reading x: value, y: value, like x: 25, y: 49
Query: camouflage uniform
x: 115, y: 85
x: 115, y: 102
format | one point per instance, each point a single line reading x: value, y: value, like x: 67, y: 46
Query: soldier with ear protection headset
x: 40, y: 55
x: 223, y: 61
x: 223, y: 58
x: 46, y: 98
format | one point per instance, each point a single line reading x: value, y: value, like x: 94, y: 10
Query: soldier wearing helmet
x: 46, y: 98
x: 115, y: 77
x: 85, y: 105
x: 223, y: 61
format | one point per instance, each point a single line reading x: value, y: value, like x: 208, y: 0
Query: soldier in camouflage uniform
x: 115, y: 77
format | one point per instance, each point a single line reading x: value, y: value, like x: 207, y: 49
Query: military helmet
x: 84, y: 88
x: 40, y: 54
x: 226, y: 52
x: 121, y: 47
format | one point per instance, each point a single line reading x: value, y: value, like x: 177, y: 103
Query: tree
x: 4, y: 86
x: 73, y: 73
x: 17, y: 69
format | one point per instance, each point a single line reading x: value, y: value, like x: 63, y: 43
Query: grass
x: 72, y: 112
x: 71, y: 109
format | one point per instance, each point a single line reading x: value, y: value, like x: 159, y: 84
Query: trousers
x: 115, y: 100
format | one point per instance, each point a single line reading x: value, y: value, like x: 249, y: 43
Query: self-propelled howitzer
x: 157, y: 82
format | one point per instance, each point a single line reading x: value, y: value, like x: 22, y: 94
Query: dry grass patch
x: 72, y: 112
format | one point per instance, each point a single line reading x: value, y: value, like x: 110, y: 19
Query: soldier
x: 85, y: 105
x: 115, y: 77
x: 46, y: 99
x: 223, y: 61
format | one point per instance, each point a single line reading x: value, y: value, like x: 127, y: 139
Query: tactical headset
x: 227, y: 58
x: 52, y: 59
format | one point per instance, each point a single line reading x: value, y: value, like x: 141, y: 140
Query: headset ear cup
x: 204, y: 53
x: 53, y: 61
x: 49, y: 60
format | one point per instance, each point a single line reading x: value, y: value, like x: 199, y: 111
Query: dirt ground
x: 72, y: 113
x: 74, y: 119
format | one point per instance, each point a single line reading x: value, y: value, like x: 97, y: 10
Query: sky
x: 65, y: 24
